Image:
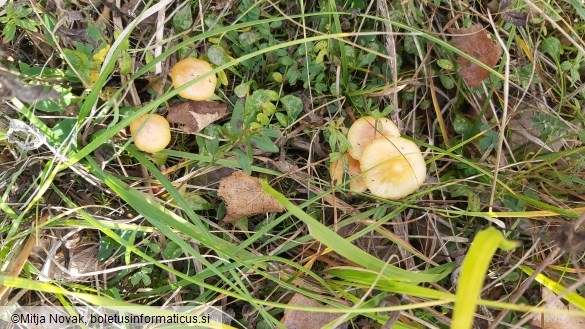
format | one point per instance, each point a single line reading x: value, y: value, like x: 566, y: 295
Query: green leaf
x: 28, y: 25
x: 244, y: 161
x: 552, y: 47
x: 106, y: 248
x: 277, y: 77
x: 446, y: 81
x: 275, y: 25
x: 264, y: 143
x: 242, y: 90
x: 286, y: 61
x: 271, y: 133
x: 146, y: 279
x: 293, y: 75
x: 249, y: 38
x: 445, y: 64
x: 461, y: 124
x: 9, y: 31
x: 136, y: 278
x: 262, y: 119
x: 293, y: 106
x: 172, y: 250
x: 490, y: 138
x: 282, y: 119
x: 368, y: 58
x: 183, y: 19
x: 236, y: 121
x: 473, y: 271
x: 197, y: 202
x: 217, y: 55
x: 63, y: 128
x: 155, y: 248
x: 579, y: 8
x: 212, y: 144
x: 255, y: 103
x: 126, y: 65
x: 65, y: 99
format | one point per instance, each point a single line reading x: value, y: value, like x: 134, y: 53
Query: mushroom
x: 393, y: 167
x: 365, y: 130
x: 357, y: 183
x: 151, y: 132
x: 189, y: 69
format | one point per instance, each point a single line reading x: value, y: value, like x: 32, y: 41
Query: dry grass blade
x: 21, y: 257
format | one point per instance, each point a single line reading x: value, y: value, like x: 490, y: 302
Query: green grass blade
x: 96, y: 300
x: 473, y: 272
x: 357, y: 277
x: 344, y: 248
x: 571, y: 296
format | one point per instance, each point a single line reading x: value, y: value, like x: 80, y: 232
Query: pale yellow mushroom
x: 393, y: 167
x: 152, y: 133
x: 189, y: 69
x: 365, y: 130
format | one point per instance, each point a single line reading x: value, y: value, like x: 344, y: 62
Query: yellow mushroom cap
x: 365, y: 130
x: 152, y: 133
x: 393, y: 167
x: 189, y: 69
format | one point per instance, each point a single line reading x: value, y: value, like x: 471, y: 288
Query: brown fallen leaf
x: 294, y: 319
x: 475, y: 42
x: 243, y: 196
x: 554, y: 320
x: 196, y: 115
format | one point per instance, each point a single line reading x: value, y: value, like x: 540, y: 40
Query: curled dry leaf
x: 475, y: 42
x: 243, y: 196
x: 512, y: 16
x: 554, y: 320
x: 71, y: 36
x: 336, y: 171
x: 294, y: 319
x: 196, y: 115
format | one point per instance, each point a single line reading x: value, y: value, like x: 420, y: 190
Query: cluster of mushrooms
x: 390, y: 166
x: 379, y: 159
x: 152, y: 132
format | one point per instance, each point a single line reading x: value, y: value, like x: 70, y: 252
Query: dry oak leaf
x: 475, y: 42
x: 554, y: 320
x: 243, y: 196
x: 294, y: 319
x: 196, y: 115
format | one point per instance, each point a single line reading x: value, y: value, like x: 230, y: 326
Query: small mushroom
x: 152, y: 133
x: 365, y: 130
x: 393, y: 167
x: 189, y: 69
